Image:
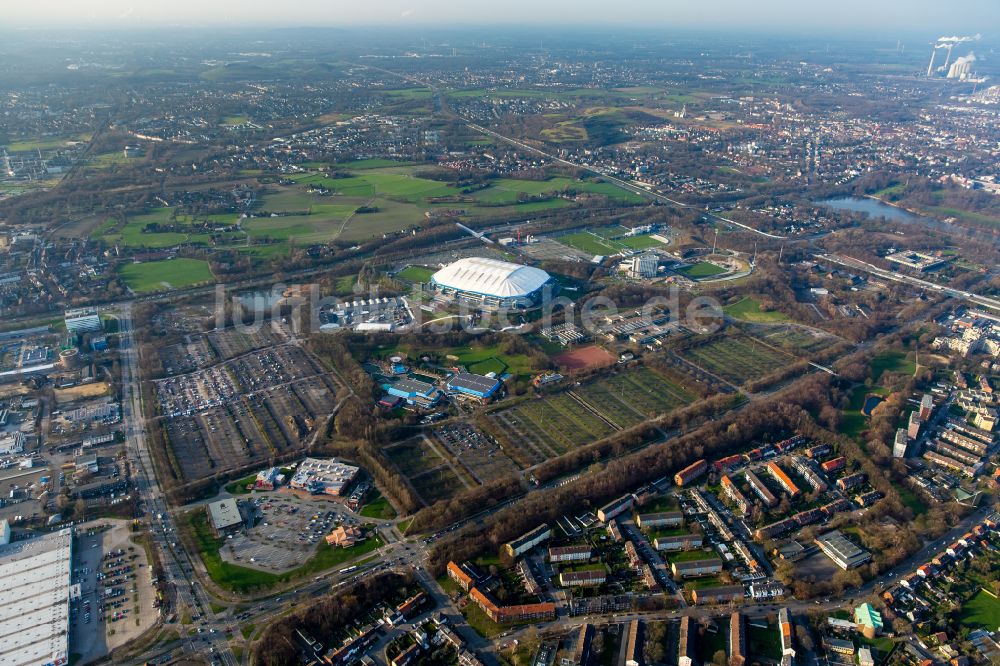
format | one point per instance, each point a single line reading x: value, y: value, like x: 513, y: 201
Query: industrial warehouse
x: 490, y: 283
x: 34, y: 599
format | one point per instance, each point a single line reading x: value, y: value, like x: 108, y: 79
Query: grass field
x: 165, y: 275
x: 44, y: 143
x: 134, y: 234
x: 892, y: 361
x: 737, y: 359
x: 378, y: 508
x: 415, y: 274
x: 982, y: 610
x: 701, y: 270
x: 244, y: 579
x: 600, y: 241
x: 748, y: 309
x: 397, y: 198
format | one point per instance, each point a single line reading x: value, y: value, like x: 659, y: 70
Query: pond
x: 871, y: 402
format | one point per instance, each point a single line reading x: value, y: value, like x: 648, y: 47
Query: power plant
x: 964, y: 63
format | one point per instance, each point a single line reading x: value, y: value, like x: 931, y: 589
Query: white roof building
x: 225, y: 514
x: 34, y: 600
x: 491, y: 277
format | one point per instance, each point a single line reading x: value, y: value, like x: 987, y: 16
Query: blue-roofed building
x: 413, y: 391
x: 477, y: 386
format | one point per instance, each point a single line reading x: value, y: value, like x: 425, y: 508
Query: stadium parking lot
x: 287, y: 531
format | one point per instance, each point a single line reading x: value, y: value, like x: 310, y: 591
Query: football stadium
x: 491, y: 283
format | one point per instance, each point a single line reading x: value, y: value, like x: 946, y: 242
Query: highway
x: 857, y: 264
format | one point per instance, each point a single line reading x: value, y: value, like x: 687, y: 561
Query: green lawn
x: 748, y: 309
x: 982, y: 610
x: 892, y: 361
x: 133, y: 233
x: 640, y: 242
x: 244, y: 579
x: 166, y: 274
x: 591, y: 243
x: 378, y: 508
x: 483, y: 625
x: 702, y: 269
x: 239, y: 487
x: 764, y: 642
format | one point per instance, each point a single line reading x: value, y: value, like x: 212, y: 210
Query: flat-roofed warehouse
x: 34, y: 600
x: 842, y: 550
x: 491, y: 283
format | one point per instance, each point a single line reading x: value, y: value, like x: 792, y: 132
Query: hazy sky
x: 887, y: 15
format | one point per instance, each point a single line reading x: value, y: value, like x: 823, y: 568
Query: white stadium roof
x: 491, y: 277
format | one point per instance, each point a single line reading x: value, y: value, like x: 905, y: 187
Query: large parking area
x: 287, y: 532
x: 244, y: 411
x: 117, y: 597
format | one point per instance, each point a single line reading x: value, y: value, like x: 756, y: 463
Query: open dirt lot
x: 583, y: 358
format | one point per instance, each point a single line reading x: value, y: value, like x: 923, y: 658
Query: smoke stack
x: 948, y: 59
x: 930, y: 67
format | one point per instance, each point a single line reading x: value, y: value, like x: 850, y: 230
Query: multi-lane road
x: 174, y: 560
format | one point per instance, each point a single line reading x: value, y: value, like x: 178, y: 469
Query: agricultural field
x: 737, y: 359
x: 430, y: 475
x: 551, y: 426
x: 631, y: 397
x: 166, y: 275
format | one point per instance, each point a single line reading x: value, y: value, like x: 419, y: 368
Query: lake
x: 872, y: 207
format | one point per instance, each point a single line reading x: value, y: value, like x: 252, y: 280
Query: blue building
x: 413, y: 391
x: 477, y: 386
